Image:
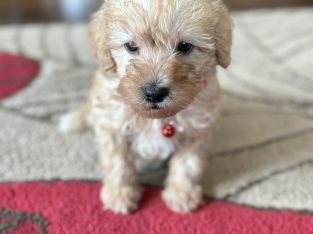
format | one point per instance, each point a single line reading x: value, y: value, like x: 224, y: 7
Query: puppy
x: 155, y: 96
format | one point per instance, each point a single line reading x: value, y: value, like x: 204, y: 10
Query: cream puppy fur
x: 158, y: 63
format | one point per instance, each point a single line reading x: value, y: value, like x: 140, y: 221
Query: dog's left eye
x: 131, y: 47
x: 184, y: 47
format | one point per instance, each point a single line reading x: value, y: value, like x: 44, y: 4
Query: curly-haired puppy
x: 155, y: 95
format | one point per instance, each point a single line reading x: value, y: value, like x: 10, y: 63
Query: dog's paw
x: 182, y: 199
x: 72, y: 122
x: 120, y: 199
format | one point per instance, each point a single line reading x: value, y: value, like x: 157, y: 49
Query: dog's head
x: 161, y: 49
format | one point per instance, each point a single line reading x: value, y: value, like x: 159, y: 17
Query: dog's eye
x: 184, y: 47
x: 131, y: 47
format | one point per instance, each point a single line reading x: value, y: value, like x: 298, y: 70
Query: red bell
x: 205, y: 83
x: 168, y: 130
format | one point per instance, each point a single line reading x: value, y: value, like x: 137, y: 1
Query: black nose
x: 153, y: 93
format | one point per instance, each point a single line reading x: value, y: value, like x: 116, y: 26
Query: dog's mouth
x: 156, y: 110
x: 160, y: 110
x: 156, y: 107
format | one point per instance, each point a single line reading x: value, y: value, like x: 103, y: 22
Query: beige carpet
x: 263, y: 154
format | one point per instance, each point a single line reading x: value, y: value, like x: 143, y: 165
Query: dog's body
x: 165, y: 76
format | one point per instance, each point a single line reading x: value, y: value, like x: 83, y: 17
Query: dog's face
x: 161, y: 50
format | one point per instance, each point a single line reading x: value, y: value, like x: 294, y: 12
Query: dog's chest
x: 149, y: 143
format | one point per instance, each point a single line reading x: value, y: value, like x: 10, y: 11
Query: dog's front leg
x: 121, y: 191
x: 183, y: 190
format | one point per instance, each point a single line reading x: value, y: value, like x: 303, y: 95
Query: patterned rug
x: 260, y: 175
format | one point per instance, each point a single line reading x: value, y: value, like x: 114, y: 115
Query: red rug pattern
x: 74, y: 207
x: 16, y: 72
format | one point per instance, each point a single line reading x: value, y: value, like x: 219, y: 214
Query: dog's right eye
x: 184, y: 47
x: 131, y: 47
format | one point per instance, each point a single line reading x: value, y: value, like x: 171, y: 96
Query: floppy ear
x: 98, y: 35
x: 223, y: 37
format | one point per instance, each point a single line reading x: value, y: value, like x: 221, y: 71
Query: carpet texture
x: 262, y: 156
x: 55, y: 201
x: 15, y: 73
